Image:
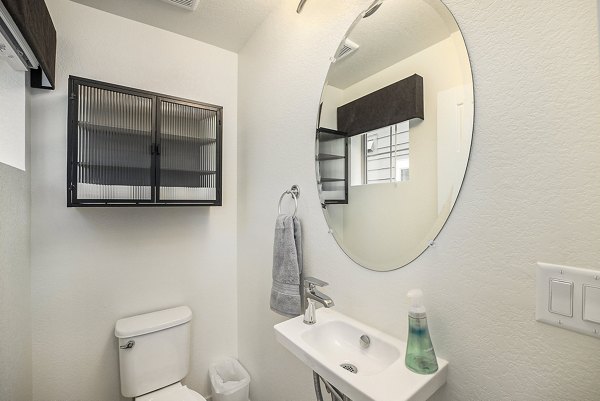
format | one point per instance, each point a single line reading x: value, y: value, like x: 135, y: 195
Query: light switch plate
x: 568, y: 297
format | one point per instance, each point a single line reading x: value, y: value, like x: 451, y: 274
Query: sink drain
x: 349, y: 367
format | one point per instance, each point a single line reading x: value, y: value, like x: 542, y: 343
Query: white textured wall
x: 15, y: 286
x: 93, y: 266
x: 531, y: 193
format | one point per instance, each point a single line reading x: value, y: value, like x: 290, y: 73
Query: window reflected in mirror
x: 380, y: 156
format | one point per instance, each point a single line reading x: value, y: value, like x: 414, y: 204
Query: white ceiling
x: 399, y: 29
x: 227, y: 24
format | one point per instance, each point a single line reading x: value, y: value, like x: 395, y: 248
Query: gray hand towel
x: 287, y: 266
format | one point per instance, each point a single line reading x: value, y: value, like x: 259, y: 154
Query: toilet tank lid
x: 151, y: 322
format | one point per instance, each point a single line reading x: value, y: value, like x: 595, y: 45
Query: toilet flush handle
x: 129, y: 344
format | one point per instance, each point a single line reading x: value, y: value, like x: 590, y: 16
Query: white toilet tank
x: 154, y: 350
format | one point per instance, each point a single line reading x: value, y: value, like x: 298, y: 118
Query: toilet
x: 154, y: 355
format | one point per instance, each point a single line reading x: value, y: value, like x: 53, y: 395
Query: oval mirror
x: 394, y: 131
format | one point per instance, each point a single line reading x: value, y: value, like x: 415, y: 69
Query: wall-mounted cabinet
x: 28, y: 40
x: 128, y: 147
x: 393, y: 104
x: 332, y: 166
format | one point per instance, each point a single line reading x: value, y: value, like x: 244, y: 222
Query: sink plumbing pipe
x: 335, y: 394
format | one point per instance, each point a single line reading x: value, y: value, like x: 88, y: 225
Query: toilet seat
x: 174, y: 392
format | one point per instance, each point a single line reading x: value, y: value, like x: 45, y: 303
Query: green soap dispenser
x: 420, y: 356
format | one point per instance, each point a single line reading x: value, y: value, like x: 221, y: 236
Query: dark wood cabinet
x: 393, y: 104
x: 129, y: 147
x: 34, y: 23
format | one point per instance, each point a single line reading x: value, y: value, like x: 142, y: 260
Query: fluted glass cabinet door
x: 130, y: 147
x: 189, y: 161
x: 111, y: 141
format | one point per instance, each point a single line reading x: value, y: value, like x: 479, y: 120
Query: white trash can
x: 229, y: 380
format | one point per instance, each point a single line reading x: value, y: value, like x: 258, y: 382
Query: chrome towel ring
x: 294, y: 191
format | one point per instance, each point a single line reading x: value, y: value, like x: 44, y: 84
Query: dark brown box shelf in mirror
x: 128, y: 147
x: 393, y: 104
x: 332, y: 166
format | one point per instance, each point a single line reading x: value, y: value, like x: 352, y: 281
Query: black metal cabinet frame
x: 154, y: 139
x: 324, y: 135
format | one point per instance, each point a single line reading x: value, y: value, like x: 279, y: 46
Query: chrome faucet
x: 310, y: 295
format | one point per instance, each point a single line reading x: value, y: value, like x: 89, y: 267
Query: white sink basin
x: 339, y: 341
x: 380, y: 371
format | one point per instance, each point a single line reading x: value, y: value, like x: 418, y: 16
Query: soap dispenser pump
x: 420, y: 356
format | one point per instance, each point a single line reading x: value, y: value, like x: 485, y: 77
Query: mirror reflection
x: 394, y: 131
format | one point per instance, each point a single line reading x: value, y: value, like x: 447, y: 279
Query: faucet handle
x: 312, y: 282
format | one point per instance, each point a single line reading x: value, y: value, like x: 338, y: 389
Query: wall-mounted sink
x: 332, y: 348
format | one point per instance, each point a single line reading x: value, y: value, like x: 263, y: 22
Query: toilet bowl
x: 174, y: 392
x: 154, y: 355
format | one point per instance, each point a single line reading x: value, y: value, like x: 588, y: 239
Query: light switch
x: 561, y: 297
x: 591, y: 303
x: 568, y: 297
